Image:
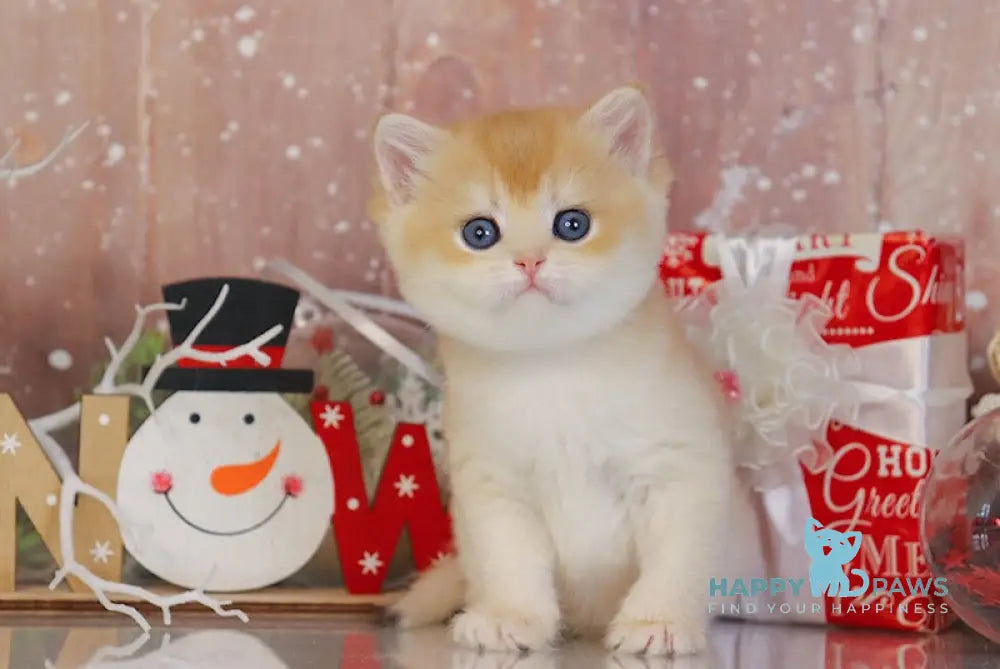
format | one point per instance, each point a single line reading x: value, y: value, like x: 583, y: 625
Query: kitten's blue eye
x: 480, y: 233
x: 571, y: 225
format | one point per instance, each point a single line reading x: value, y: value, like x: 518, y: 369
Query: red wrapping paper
x: 898, y: 300
x: 913, y: 286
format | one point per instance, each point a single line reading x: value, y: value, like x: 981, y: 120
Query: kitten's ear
x: 402, y: 146
x: 624, y: 119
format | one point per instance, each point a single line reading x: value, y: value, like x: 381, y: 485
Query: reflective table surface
x: 93, y: 641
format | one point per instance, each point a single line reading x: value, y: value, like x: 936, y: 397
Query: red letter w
x: 407, y: 496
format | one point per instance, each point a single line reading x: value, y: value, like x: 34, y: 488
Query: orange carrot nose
x: 238, y: 479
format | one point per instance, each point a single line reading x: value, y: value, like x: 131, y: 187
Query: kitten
x: 588, y: 457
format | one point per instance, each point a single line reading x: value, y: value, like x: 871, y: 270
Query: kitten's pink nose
x: 529, y: 265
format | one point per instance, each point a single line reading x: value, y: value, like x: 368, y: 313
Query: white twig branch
x: 73, y: 485
x: 44, y: 426
x: 102, y: 588
x: 9, y: 172
x: 107, y: 385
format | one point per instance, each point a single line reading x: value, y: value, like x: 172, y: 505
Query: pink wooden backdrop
x: 223, y: 132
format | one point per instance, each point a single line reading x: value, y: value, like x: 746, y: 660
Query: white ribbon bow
x: 794, y: 385
x: 787, y: 384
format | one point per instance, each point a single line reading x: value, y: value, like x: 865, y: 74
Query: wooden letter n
x: 28, y: 478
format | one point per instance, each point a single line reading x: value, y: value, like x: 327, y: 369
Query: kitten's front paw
x: 483, y: 630
x: 414, y: 610
x: 656, y: 637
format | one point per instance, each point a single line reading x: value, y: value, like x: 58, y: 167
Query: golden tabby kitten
x: 587, y: 456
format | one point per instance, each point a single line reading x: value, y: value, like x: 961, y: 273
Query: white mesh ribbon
x: 785, y: 382
x: 351, y: 308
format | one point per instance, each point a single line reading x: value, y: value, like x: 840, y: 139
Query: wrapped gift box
x: 897, y: 301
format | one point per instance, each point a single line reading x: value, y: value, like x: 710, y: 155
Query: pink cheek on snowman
x: 293, y: 485
x: 162, y: 482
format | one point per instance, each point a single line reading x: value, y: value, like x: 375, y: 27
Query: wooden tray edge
x: 269, y: 600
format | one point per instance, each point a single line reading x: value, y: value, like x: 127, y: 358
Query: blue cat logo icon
x: 830, y: 550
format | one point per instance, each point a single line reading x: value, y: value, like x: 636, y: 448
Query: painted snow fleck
x: 248, y: 46
x: 60, y: 359
x: 114, y: 154
x: 245, y: 14
x: 976, y: 300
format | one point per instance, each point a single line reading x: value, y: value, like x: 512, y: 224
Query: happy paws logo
x: 829, y: 552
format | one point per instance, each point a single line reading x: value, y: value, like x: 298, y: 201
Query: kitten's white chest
x: 582, y: 502
x: 563, y: 439
x: 574, y: 437
x: 561, y: 412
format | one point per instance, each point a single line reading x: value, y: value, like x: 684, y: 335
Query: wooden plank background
x: 227, y: 131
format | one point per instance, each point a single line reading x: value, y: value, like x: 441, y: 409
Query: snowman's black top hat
x: 251, y: 308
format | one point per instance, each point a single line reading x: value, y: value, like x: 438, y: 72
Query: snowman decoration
x: 229, y: 489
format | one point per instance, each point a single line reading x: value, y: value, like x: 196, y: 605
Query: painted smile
x: 230, y: 481
x: 229, y: 533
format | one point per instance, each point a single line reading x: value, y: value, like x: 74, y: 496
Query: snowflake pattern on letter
x: 678, y: 249
x: 9, y: 444
x: 406, y: 485
x: 370, y: 563
x: 332, y: 416
x: 102, y: 551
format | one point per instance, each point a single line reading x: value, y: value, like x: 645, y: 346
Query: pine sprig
x: 343, y: 380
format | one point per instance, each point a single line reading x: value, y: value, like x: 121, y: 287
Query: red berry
x: 321, y: 393
x: 162, y: 482
x: 293, y: 485
x: 377, y: 398
x: 322, y: 339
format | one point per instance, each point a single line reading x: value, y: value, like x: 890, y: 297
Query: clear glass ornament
x: 960, y: 523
